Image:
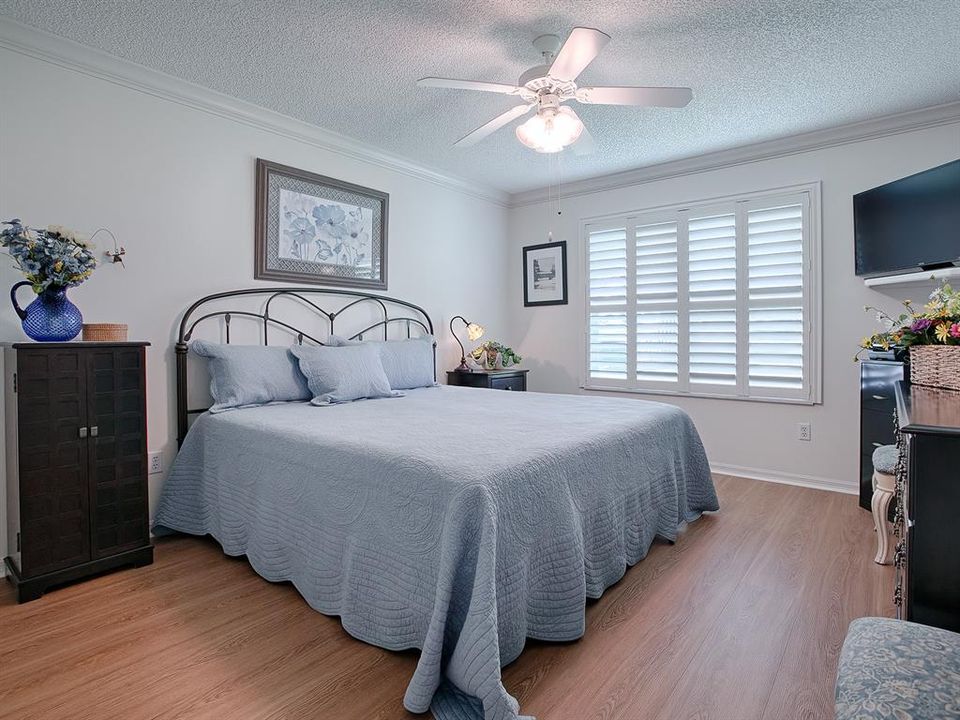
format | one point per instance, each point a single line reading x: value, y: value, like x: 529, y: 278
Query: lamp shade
x: 474, y: 331
x: 550, y: 130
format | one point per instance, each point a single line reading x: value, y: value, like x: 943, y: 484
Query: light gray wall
x: 176, y: 185
x: 753, y: 438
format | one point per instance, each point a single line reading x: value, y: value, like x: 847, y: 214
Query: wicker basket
x: 104, y: 332
x: 935, y: 366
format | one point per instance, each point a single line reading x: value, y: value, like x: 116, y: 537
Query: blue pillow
x: 342, y: 374
x: 408, y: 363
x: 251, y: 375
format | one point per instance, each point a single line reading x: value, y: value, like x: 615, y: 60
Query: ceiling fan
x: 546, y: 87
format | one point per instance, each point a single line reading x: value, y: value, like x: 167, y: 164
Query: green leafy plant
x: 490, y: 350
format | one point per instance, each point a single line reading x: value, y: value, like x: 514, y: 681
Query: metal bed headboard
x: 188, y: 324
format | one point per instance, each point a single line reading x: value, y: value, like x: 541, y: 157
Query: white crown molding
x: 807, y: 481
x: 74, y: 56
x: 844, y: 134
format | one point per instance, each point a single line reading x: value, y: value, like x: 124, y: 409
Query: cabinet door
x: 51, y: 409
x: 118, y: 447
x: 932, y: 560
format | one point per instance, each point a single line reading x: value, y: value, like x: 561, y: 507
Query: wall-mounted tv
x: 909, y: 225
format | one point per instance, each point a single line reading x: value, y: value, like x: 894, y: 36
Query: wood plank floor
x: 741, y: 619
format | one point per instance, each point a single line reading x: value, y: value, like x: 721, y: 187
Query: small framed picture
x: 545, y: 274
x: 315, y: 229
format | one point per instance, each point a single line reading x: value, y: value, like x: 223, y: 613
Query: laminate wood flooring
x: 741, y: 619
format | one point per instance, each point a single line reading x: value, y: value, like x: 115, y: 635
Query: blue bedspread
x: 455, y: 520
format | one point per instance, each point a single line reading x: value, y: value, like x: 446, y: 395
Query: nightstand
x: 494, y: 379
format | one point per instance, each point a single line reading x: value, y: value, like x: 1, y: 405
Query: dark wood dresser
x: 928, y: 488
x: 493, y: 379
x: 76, y: 442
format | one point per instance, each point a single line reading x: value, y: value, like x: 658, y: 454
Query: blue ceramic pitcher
x: 50, y: 317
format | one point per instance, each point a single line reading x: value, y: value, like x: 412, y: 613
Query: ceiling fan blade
x: 642, y: 96
x: 498, y: 122
x: 581, y: 47
x: 468, y: 85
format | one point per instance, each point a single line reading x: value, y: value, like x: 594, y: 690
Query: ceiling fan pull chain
x: 559, y: 181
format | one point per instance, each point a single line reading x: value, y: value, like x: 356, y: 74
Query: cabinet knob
x: 94, y: 431
x: 83, y: 432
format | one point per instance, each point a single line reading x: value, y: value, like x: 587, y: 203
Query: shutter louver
x: 776, y: 348
x: 775, y: 259
x: 712, y: 249
x: 607, y: 332
x: 657, y: 294
x: 712, y: 262
x: 713, y: 347
x: 775, y: 241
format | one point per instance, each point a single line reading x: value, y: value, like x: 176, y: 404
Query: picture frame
x: 314, y: 229
x: 545, y: 274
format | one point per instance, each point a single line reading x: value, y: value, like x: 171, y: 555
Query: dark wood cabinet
x: 494, y: 379
x: 877, y: 404
x: 928, y: 487
x: 76, y: 443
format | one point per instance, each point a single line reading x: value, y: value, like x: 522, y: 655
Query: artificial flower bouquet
x: 932, y: 336
x: 55, y: 257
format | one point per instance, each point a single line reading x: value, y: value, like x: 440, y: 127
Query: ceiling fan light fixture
x: 550, y: 130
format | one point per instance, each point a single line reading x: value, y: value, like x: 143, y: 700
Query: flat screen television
x: 909, y: 225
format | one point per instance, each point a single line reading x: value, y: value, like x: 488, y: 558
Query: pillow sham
x: 251, y: 375
x: 408, y: 364
x: 342, y: 374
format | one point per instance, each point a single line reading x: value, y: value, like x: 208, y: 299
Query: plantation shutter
x: 712, y: 253
x: 607, y: 332
x: 776, y: 296
x: 657, y: 302
x: 715, y: 300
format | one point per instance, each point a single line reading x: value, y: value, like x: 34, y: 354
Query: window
x: 713, y: 299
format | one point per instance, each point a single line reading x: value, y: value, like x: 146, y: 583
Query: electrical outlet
x: 156, y: 462
x: 803, y: 431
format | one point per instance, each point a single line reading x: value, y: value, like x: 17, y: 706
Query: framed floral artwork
x: 545, y: 274
x: 315, y: 229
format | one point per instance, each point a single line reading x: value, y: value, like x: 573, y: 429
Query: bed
x: 455, y: 520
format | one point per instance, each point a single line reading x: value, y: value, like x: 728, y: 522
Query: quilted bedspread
x: 455, y: 520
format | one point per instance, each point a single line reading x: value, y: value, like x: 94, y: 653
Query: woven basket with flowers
x: 932, y: 336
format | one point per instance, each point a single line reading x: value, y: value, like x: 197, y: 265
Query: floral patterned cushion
x: 898, y: 670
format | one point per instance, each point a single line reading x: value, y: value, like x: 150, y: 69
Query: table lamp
x: 474, y: 332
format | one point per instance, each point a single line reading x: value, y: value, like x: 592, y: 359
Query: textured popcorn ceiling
x: 759, y: 69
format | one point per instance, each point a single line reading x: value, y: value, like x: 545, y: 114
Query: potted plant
x: 492, y: 355
x: 931, y: 335
x: 52, y: 260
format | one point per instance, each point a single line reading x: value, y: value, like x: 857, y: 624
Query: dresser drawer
x: 517, y: 382
x: 877, y: 380
x: 876, y: 429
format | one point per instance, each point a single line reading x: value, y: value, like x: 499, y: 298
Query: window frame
x: 810, y: 393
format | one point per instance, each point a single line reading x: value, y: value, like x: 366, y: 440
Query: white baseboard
x: 809, y: 481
